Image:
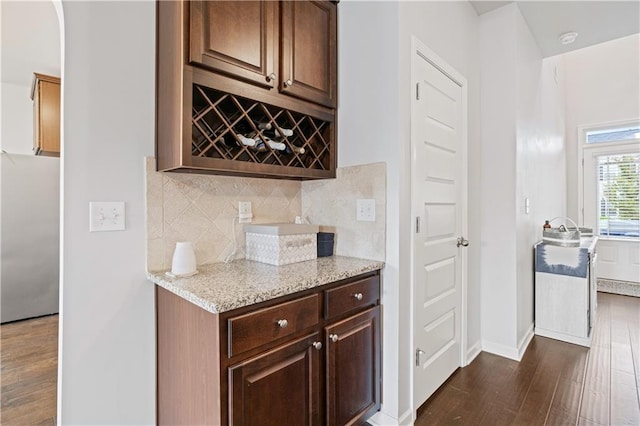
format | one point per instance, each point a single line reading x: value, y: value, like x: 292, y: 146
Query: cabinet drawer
x: 351, y: 297
x: 265, y: 325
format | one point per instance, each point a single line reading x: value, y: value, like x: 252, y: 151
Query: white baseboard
x: 500, y: 350
x: 407, y: 418
x: 473, y: 352
x: 514, y: 353
x: 524, y: 342
x: 382, y: 419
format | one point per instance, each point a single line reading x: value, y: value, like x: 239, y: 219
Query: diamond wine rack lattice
x: 229, y: 127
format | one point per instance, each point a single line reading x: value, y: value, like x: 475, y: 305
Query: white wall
x: 30, y: 43
x: 368, y: 120
x: 107, y: 359
x: 17, y: 119
x: 603, y: 86
x: 540, y: 160
x: 375, y: 93
x: 522, y: 158
x: 498, y: 85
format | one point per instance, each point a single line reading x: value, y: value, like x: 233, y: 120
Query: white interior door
x: 438, y: 201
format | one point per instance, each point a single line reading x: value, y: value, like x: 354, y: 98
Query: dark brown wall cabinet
x: 312, y: 358
x: 262, y: 70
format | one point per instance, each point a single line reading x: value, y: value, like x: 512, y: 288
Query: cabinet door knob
x: 333, y: 337
x: 282, y: 323
x: 358, y: 296
x: 271, y: 77
x: 317, y: 345
x: 288, y: 83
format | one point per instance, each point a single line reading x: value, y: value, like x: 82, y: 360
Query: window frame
x: 587, y: 157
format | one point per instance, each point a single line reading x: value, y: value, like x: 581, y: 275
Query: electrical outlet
x: 244, y: 212
x: 366, y: 210
x: 106, y: 216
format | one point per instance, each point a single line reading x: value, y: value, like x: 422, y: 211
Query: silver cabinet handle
x: 271, y: 77
x: 317, y: 345
x: 288, y: 83
x: 358, y: 296
x: 333, y: 337
x: 418, y: 353
x: 282, y: 323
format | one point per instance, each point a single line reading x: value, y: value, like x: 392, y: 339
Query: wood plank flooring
x: 555, y: 383
x: 29, y: 371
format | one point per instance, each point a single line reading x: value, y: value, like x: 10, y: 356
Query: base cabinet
x: 281, y: 387
x: 353, y: 362
x: 311, y: 358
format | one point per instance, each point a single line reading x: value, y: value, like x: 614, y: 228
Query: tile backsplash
x: 203, y: 209
x: 332, y: 204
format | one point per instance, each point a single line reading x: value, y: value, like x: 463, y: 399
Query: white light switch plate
x: 106, y: 216
x: 366, y: 210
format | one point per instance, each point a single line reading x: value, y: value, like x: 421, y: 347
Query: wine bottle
x: 282, y: 132
x: 297, y: 149
x: 247, y: 141
x: 264, y: 126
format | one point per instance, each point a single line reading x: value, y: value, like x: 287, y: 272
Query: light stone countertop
x: 221, y: 287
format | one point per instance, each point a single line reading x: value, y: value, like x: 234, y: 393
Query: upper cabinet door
x: 308, y: 51
x: 236, y: 38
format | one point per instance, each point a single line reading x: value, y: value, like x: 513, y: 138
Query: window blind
x: 619, y: 195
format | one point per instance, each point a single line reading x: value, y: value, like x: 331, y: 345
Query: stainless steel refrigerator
x: 30, y: 236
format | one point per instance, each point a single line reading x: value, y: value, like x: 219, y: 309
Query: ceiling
x: 30, y: 36
x: 594, y: 21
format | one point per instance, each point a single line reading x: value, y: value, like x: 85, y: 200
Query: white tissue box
x: 281, y: 244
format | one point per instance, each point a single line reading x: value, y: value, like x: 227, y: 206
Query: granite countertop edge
x: 221, y: 287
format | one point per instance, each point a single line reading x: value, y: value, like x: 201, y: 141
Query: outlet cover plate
x: 245, y: 214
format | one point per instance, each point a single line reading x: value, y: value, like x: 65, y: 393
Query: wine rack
x: 220, y: 121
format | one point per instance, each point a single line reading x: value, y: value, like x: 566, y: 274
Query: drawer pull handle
x: 358, y: 296
x: 282, y: 323
x: 333, y: 337
x: 317, y: 345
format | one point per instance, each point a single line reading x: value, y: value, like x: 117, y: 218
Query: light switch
x: 366, y: 210
x: 106, y: 216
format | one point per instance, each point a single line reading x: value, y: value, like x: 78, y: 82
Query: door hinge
x: 417, y: 224
x: 417, y: 91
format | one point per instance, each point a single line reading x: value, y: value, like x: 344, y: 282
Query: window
x: 621, y: 134
x: 619, y: 195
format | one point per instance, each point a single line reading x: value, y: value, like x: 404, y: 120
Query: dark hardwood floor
x: 556, y: 383
x: 29, y: 371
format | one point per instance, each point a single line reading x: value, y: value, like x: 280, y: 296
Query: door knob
x: 288, y: 83
x: 271, y: 77
x: 282, y: 323
x: 333, y: 337
x: 358, y: 296
x: 317, y: 345
x: 462, y: 242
